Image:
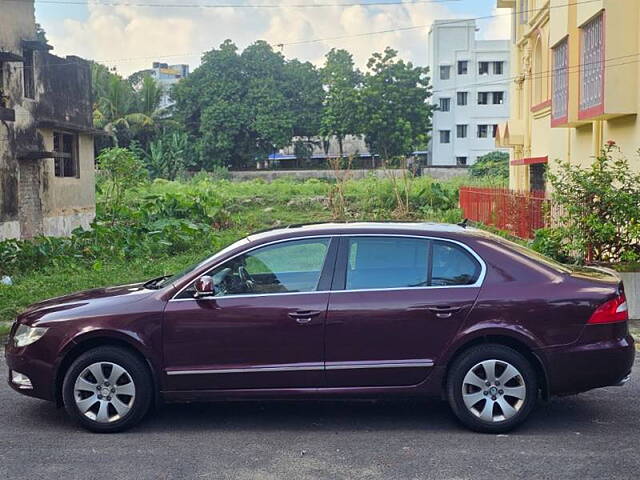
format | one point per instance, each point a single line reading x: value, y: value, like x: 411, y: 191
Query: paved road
x: 594, y: 435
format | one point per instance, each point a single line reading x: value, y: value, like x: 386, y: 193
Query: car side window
x: 387, y: 262
x: 287, y: 267
x: 453, y: 265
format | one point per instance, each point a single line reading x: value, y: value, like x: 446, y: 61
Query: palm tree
x: 117, y: 106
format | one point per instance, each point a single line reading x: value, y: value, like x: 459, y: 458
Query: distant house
x: 47, y: 173
x: 471, y: 80
x: 167, y: 76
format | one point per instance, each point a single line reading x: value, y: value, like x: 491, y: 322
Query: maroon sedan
x: 336, y: 310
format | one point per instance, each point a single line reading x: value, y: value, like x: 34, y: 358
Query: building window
x: 461, y: 131
x: 445, y: 136
x: 498, y: 98
x: 461, y: 161
x: 483, y: 98
x: 498, y: 68
x: 463, y: 98
x: 483, y: 68
x: 463, y: 67
x: 592, y: 58
x: 28, y: 74
x: 445, y: 72
x: 494, y: 132
x: 560, y: 107
x: 524, y: 11
x: 483, y: 131
x: 445, y: 104
x: 65, y: 147
x: 537, y: 173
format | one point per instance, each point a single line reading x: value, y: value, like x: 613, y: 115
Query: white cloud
x: 498, y: 27
x: 178, y: 35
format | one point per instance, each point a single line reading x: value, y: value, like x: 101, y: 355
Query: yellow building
x: 575, y: 65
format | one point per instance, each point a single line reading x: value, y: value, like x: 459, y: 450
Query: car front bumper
x: 28, y: 362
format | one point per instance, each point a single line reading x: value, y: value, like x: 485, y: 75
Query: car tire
x: 107, y: 389
x: 492, y: 402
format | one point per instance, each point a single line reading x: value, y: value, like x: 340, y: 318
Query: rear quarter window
x: 452, y: 265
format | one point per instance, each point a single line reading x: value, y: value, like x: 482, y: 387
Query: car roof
x: 421, y: 228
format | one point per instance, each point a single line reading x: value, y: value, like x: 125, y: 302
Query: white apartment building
x: 167, y: 76
x: 470, y: 80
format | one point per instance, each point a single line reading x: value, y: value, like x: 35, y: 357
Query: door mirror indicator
x: 205, y: 288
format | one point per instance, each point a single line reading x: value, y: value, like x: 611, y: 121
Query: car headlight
x: 26, y: 335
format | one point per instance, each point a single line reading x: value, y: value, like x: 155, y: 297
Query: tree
x: 303, y: 88
x: 167, y: 156
x: 149, y: 96
x: 396, y: 117
x: 241, y: 106
x: 41, y: 35
x: 115, y: 108
x: 124, y: 113
x: 493, y: 164
x: 342, y: 81
x: 121, y: 169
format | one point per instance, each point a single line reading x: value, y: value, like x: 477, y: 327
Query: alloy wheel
x: 104, y: 392
x: 494, y: 391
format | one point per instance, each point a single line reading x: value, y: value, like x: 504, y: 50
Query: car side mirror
x: 205, y: 287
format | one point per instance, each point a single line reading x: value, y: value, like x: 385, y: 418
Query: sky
x: 130, y: 37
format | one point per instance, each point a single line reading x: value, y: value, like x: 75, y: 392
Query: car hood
x: 98, y: 301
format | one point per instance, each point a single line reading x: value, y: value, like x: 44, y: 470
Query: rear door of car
x: 396, y: 303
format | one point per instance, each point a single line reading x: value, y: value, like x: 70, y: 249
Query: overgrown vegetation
x: 598, y: 206
x: 153, y: 228
x: 494, y: 164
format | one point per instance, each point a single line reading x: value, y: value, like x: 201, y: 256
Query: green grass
x: 4, y: 328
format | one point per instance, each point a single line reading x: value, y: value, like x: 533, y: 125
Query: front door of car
x: 397, y: 303
x: 264, y: 328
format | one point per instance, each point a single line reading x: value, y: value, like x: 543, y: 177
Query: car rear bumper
x: 591, y: 363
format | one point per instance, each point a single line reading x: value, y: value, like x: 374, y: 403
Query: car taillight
x: 613, y: 311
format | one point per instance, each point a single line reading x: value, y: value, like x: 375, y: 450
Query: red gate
x: 519, y: 213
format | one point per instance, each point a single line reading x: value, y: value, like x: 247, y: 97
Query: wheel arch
x: 518, y: 344
x: 93, y: 340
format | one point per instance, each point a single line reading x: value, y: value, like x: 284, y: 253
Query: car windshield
x: 163, y: 281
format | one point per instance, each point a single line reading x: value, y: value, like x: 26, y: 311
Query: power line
x: 400, y: 29
x: 544, y: 74
x: 394, y: 3
x: 282, y: 45
x: 418, y: 27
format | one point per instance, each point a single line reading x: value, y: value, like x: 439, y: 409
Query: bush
x: 600, y: 209
x: 494, y: 164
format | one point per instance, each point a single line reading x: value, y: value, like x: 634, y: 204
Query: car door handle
x: 304, y: 317
x: 444, y: 311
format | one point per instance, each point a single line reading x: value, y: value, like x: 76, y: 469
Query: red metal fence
x: 519, y: 213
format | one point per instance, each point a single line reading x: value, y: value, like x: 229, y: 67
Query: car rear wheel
x: 107, y: 389
x: 492, y: 388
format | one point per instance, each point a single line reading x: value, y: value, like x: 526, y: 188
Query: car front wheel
x: 492, y: 388
x: 107, y: 389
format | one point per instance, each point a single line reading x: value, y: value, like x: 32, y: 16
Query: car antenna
x: 464, y: 223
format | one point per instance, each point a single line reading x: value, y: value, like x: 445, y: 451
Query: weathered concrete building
x: 47, y: 172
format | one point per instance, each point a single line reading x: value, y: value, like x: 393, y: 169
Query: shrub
x: 600, y: 209
x: 119, y: 169
x: 494, y: 164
